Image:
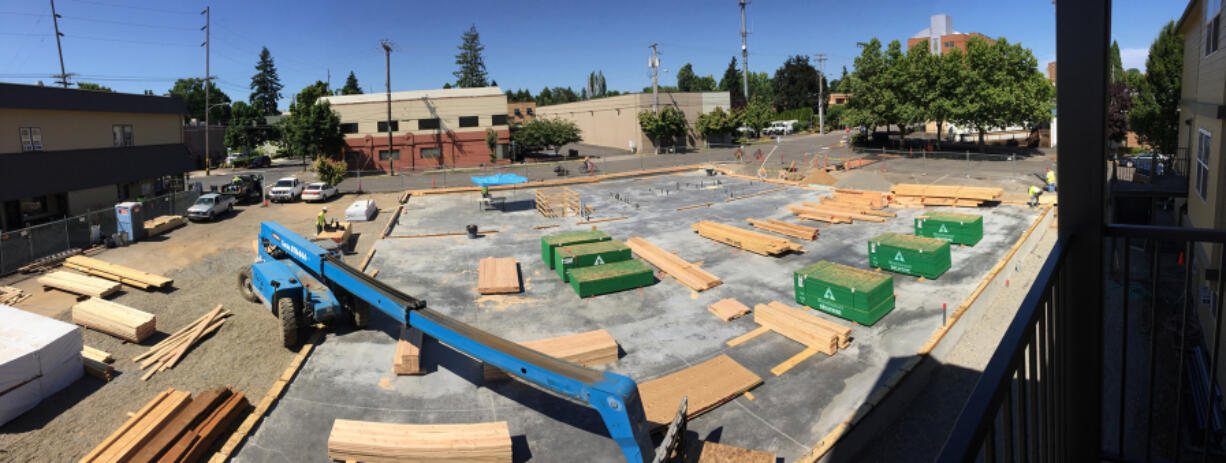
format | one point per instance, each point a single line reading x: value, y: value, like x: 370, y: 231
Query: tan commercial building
x: 64, y: 152
x: 430, y: 128
x: 613, y: 122
x: 521, y: 112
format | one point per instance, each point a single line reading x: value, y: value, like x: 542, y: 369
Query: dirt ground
x: 204, y: 260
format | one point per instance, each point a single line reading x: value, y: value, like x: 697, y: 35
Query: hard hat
x: 325, y: 208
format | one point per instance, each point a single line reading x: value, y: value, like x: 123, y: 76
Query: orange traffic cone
x: 1180, y: 257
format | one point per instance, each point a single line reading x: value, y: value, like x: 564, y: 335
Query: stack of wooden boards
x: 340, y: 233
x: 944, y: 195
x: 706, y: 385
x: 115, y: 272
x: 838, y: 212
x: 728, y: 309
x: 498, y: 275
x: 408, y: 352
x: 872, y: 199
x: 804, y: 327
x: 114, y: 319
x: 163, y: 224
x: 10, y: 295
x: 166, y: 354
x: 173, y: 427
x: 785, y: 228
x: 589, y: 349
x: 686, y: 273
x: 97, y: 363
x: 751, y: 241
x: 384, y: 442
x: 78, y: 284
x: 557, y: 202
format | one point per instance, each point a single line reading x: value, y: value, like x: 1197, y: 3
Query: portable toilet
x: 131, y: 220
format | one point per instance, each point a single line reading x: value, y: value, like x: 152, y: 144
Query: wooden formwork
x: 557, y: 202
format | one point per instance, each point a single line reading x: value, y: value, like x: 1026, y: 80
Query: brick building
x: 521, y: 112
x: 941, y: 36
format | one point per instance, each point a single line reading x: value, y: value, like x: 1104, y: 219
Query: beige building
x: 65, y: 151
x: 613, y: 121
x: 430, y: 128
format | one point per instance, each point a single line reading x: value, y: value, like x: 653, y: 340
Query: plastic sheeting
x: 39, y: 356
x: 499, y: 179
x: 361, y: 211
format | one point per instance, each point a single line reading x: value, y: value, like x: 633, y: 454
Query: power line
x: 159, y: 10
x: 95, y: 20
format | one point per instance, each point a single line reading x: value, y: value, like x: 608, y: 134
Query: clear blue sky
x: 133, y: 45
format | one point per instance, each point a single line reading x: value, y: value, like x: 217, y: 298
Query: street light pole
x: 387, y: 50
x: 207, y: 16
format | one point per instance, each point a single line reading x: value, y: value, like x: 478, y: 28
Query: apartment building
x: 64, y: 151
x: 429, y: 128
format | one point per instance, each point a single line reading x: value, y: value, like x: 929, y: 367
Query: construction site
x: 768, y: 317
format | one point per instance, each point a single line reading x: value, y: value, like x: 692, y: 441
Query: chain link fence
x: 20, y: 247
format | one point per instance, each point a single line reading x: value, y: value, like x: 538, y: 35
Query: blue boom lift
x: 302, y: 284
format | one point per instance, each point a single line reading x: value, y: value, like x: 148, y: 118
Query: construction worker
x: 1034, y: 195
x: 321, y: 220
x: 1051, y: 180
x: 485, y: 191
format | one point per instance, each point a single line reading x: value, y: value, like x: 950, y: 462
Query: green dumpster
x: 610, y: 278
x: 855, y: 294
x: 566, y: 258
x: 956, y: 228
x: 912, y: 255
x: 548, y: 243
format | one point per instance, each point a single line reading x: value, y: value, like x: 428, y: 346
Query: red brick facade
x: 948, y: 41
x: 458, y: 149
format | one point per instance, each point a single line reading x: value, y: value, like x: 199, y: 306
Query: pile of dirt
x: 820, y: 177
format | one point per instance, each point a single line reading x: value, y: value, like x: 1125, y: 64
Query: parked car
x: 230, y: 158
x: 746, y: 132
x: 260, y: 161
x: 1144, y: 162
x: 245, y: 187
x: 210, y: 206
x: 318, y: 191
x: 286, y: 189
x: 779, y: 128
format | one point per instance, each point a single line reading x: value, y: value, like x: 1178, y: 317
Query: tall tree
x: 716, y: 123
x: 351, y: 85
x: 94, y: 87
x: 704, y: 84
x: 842, y: 84
x: 663, y: 127
x: 685, y: 78
x: 472, y: 65
x: 920, y: 85
x: 245, y: 129
x: 595, y: 85
x: 796, y: 84
x: 265, y: 85
x: 871, y: 96
x: 312, y: 127
x: 602, y: 87
x: 756, y: 114
x: 760, y: 84
x: 731, y: 83
x: 1004, y: 87
x: 1119, y: 103
x: 949, y: 98
x: 192, y: 91
x: 1156, y: 115
x: 1117, y: 65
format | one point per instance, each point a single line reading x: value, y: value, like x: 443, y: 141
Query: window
x: 351, y: 127
x: 1203, y: 143
x: 517, y: 113
x: 31, y: 139
x: 531, y: 112
x: 426, y: 124
x: 470, y: 121
x: 383, y: 126
x: 1211, y: 30
x: 499, y: 119
x: 122, y: 135
x: 949, y: 45
x: 383, y: 156
x: 427, y: 153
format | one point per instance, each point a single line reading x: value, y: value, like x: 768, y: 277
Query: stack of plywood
x: 125, y: 275
x: 686, y: 273
x: 374, y: 442
x: 706, y: 385
x: 945, y: 195
x: 163, y: 224
x: 172, y: 427
x: 408, y: 352
x: 748, y: 240
x: 166, y: 354
x: 728, y: 309
x: 803, y: 326
x: 498, y: 275
x: 114, y: 319
x: 785, y: 228
x: 589, y: 349
x: 78, y: 284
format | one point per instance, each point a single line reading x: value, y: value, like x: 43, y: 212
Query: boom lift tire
x: 244, y: 285
x: 288, y: 314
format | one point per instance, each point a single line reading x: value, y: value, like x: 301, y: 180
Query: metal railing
x: 1021, y: 403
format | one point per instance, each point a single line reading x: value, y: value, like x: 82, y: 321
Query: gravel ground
x: 245, y: 354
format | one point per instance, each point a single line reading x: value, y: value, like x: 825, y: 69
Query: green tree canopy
x: 731, y: 83
x: 796, y: 84
x: 1117, y: 65
x: 1003, y: 87
x: 596, y: 87
x: 245, y: 129
x: 871, y: 98
x: 547, y: 133
x: 351, y: 85
x: 265, y: 85
x: 1156, y: 115
x: 949, y: 98
x: 704, y: 84
x: 472, y: 65
x: 662, y: 88
x: 664, y: 126
x: 756, y: 114
x: 716, y: 123
x: 192, y: 91
x: 94, y: 87
x: 760, y: 84
x: 685, y: 78
x: 312, y: 128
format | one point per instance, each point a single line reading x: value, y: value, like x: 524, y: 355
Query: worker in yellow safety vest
x: 1034, y: 195
x: 1051, y: 180
x: 321, y: 220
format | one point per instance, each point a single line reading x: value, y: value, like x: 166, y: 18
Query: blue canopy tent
x: 495, y: 180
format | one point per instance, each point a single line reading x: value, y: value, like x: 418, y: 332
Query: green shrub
x: 329, y: 171
x: 241, y: 163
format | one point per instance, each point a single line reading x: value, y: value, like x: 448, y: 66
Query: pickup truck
x: 779, y: 128
x: 246, y: 187
x: 286, y: 189
x: 210, y: 206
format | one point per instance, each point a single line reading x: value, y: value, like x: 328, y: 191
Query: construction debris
x: 114, y: 319
x: 11, y: 296
x: 686, y: 273
x: 748, y: 240
x: 163, y: 224
x: 164, y: 355
x: 785, y: 228
x: 589, y: 349
x: 172, y: 427
x: 43, y: 264
x: 706, y: 385
x: 498, y: 275
x: 728, y: 309
x: 367, y: 441
x: 408, y: 352
x: 947, y: 195
x: 78, y: 284
x: 860, y: 208
x: 115, y: 272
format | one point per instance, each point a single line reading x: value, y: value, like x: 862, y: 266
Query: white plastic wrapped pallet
x: 39, y: 356
x: 361, y: 211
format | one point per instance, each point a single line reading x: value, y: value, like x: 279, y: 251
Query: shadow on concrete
x: 55, y: 404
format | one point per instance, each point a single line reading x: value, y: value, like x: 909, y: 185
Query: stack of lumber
x: 78, y: 284
x: 557, y: 202
x: 115, y: 272
x: 728, y: 309
x: 408, y: 352
x: 114, y: 319
x: 945, y: 195
x: 380, y: 442
x: 851, y: 212
x: 164, y: 355
x: 803, y: 326
x: 498, y: 275
x: 173, y: 427
x: 706, y: 385
x: 97, y: 363
x: 589, y: 349
x: 785, y: 228
x: 813, y: 214
x: 340, y: 233
x: 686, y: 273
x: 48, y: 262
x: 748, y: 240
x: 872, y: 199
x: 10, y: 295
x: 163, y: 224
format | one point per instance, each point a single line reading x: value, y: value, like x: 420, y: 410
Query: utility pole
x: 821, y: 98
x: 387, y: 50
x: 55, y: 19
x: 654, y: 63
x: 744, y: 52
x: 207, y: 78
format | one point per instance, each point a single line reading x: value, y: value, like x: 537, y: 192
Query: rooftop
x: 414, y: 95
x: 22, y: 96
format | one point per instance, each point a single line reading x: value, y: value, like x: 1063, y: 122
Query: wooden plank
x: 707, y: 385
x: 842, y: 331
x: 542, y: 227
x: 728, y: 309
x: 797, y: 326
x: 686, y: 273
x: 114, y: 319
x: 79, y: 284
x: 694, y: 206
x: 110, y: 441
x: 436, y: 235
x: 714, y: 452
x: 608, y: 219
x: 498, y: 275
x: 97, y: 355
x: 117, y: 272
x: 747, y: 336
x: 194, y: 336
x: 784, y: 228
x: 592, y: 348
x: 408, y: 352
x: 191, y: 414
x: 853, y: 214
x: 793, y: 361
x: 212, y: 428
x: 411, y: 443
x: 391, y: 221
x: 745, y: 239
x: 144, y: 430
x: 751, y: 195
